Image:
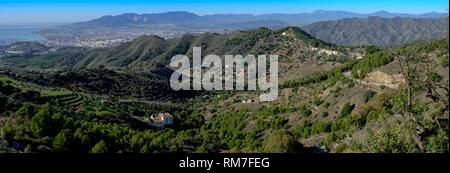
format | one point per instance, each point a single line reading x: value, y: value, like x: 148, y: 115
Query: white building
x: 160, y: 120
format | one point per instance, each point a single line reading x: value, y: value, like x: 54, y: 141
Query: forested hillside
x: 331, y: 98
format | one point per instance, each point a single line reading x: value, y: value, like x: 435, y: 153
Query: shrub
x: 350, y: 84
x: 62, y: 140
x: 347, y: 109
x: 437, y: 143
x: 100, y: 147
x: 323, y: 114
x: 8, y: 131
x: 302, y: 130
x: 331, y: 137
x: 26, y: 111
x: 392, y: 138
x: 368, y: 94
x: 305, y: 112
x: 320, y: 127
x: 342, y: 124
x: 281, y: 141
x: 435, y: 77
x: 326, y: 104
x: 444, y: 61
x: 340, y: 148
x: 317, y: 101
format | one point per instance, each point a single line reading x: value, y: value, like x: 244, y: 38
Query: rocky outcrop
x: 381, y: 77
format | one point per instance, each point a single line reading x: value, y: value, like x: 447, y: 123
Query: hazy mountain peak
x: 327, y: 12
x: 382, y: 12
x: 179, y: 13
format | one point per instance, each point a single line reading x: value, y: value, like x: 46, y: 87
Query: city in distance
x: 110, y: 30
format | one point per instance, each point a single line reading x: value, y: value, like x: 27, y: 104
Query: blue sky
x: 68, y: 11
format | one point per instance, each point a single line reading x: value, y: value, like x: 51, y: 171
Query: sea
x: 13, y: 33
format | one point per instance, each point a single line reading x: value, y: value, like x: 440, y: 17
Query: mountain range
x: 177, y: 20
x: 379, y: 31
x: 339, y: 27
x: 300, y: 19
x: 191, y: 20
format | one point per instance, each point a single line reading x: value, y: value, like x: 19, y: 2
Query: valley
x: 338, y: 27
x: 331, y: 98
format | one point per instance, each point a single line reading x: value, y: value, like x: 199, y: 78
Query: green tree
x: 416, y: 65
x: 281, y: 141
x: 62, y: 140
x: 8, y: 131
x: 42, y: 120
x: 392, y: 138
x: 100, y: 147
x: 27, y: 111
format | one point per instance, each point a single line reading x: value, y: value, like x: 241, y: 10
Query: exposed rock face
x: 380, y: 77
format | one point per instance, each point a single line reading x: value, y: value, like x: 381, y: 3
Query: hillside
x: 147, y: 51
x: 331, y: 99
x: 379, y: 31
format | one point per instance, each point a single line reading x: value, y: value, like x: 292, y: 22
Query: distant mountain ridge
x: 381, y: 28
x: 182, y: 19
x: 379, y: 31
x: 191, y: 20
x: 173, y: 20
x: 299, y: 19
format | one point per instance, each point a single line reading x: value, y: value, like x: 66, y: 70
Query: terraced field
x: 73, y: 100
